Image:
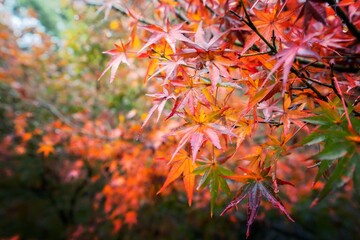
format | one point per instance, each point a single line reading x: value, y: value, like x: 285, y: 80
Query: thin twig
x: 339, y: 93
x: 273, y: 49
x: 317, y: 82
x: 119, y: 9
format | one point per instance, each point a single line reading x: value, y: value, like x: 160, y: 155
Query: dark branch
x: 274, y: 50
x: 337, y: 67
x: 352, y: 28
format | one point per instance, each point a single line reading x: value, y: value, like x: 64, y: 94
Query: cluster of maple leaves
x: 276, y: 76
x: 248, y: 89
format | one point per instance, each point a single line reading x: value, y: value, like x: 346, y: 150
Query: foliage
x: 241, y: 75
x: 255, y: 99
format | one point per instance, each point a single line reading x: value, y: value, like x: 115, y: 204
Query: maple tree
x: 238, y: 101
x: 281, y: 76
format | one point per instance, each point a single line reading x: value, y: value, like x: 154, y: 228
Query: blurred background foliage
x: 67, y: 141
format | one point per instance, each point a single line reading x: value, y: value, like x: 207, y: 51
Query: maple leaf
x: 204, y: 43
x: 260, y: 94
x: 107, y: 6
x: 328, y: 40
x: 157, y: 53
x: 287, y: 56
x: 190, y: 93
x: 210, y: 54
x: 170, y: 34
x: 162, y: 98
x: 339, y: 145
x: 169, y: 67
x: 276, y: 148
x: 312, y: 9
x: 292, y: 114
x: 118, y: 56
x: 46, y: 149
x: 211, y: 50
x: 305, y: 99
x: 183, y: 166
x: 216, y: 72
x: 244, y: 128
x: 213, y: 176
x: 257, y: 185
x: 269, y: 108
x: 267, y: 22
x: 201, y: 127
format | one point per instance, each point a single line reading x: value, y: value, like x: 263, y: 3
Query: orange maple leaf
x: 201, y: 127
x: 46, y: 149
x: 182, y: 165
x: 267, y: 22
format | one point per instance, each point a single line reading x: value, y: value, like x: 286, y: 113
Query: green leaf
x: 205, y: 179
x: 333, y: 151
x: 224, y: 186
x: 213, y: 177
x: 337, y: 135
x: 224, y: 171
x: 330, y: 109
x: 200, y: 169
x: 313, y: 138
x: 356, y: 123
x: 356, y: 176
x: 324, y: 165
x: 336, y: 178
x: 318, y: 120
x: 214, y: 188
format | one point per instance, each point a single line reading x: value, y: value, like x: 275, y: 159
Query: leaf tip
x: 314, y: 203
x: 248, y: 232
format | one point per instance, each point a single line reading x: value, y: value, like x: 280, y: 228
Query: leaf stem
x: 339, y: 93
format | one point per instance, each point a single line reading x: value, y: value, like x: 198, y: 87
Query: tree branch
x: 274, y: 50
x: 337, y: 67
x: 342, y: 15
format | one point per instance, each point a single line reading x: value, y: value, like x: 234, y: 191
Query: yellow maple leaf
x: 45, y: 149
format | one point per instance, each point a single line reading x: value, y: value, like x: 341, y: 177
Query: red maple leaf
x: 267, y: 22
x: 118, y: 56
x: 161, y: 98
x: 201, y: 127
x: 312, y: 9
x: 287, y: 56
x: 170, y: 34
x: 169, y: 67
x: 191, y: 93
x: 258, y: 185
